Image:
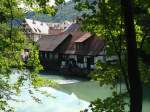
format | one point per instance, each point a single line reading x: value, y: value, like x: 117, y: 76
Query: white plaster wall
x: 103, y: 52
x: 63, y: 64
x: 85, y: 65
x: 111, y: 58
x: 36, y: 37
x: 101, y: 58
x: 73, y: 57
x: 93, y: 66
x: 82, y: 65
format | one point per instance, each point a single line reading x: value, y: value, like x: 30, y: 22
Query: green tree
x: 114, y: 22
x: 12, y: 45
x: 133, y: 72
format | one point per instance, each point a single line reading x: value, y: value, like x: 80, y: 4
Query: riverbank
x: 74, y: 73
x: 62, y: 78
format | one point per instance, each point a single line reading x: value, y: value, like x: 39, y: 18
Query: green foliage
x: 4, y: 107
x: 43, y: 6
x: 12, y: 45
x: 106, y: 21
x: 110, y: 104
x: 144, y: 71
x: 106, y: 74
x: 40, y: 82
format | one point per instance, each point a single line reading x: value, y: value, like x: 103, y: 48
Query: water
x: 53, y: 101
x: 90, y: 90
x: 73, y: 95
x: 57, y: 102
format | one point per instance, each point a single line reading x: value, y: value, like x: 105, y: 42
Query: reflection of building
x: 63, y: 46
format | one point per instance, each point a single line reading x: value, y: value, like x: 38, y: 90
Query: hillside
x: 65, y: 12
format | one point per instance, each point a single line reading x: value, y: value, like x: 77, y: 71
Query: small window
x: 35, y: 30
x: 43, y: 55
x: 39, y: 30
x: 50, y: 56
x: 34, y: 22
x: 55, y: 56
x: 29, y: 30
x: 79, y: 46
x: 46, y: 55
x: 80, y: 59
x: 90, y: 60
x: 63, y: 57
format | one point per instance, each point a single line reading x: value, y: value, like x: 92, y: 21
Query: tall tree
x: 133, y: 72
x: 113, y: 21
x: 12, y: 45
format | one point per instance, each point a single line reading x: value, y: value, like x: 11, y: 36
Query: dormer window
x: 79, y: 46
x: 39, y: 30
x: 34, y: 22
x: 35, y: 30
x: 29, y: 30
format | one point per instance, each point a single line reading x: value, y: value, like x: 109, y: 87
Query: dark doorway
x: 90, y: 61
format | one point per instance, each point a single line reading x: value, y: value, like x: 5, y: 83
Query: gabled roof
x: 51, y: 42
x: 73, y: 27
x: 94, y: 45
x: 67, y: 42
x: 84, y: 37
x: 56, y: 40
x: 37, y: 26
x: 51, y: 28
x: 71, y: 48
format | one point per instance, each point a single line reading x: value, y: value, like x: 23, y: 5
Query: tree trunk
x: 133, y: 72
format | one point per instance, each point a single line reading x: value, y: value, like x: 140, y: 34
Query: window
x: 29, y: 30
x: 63, y: 57
x: 79, y: 46
x: 47, y: 55
x: 35, y: 30
x: 80, y: 59
x: 56, y: 56
x: 50, y: 56
x: 42, y: 55
x: 39, y: 30
x: 91, y: 60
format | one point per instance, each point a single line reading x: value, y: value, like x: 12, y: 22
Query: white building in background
x: 36, y: 29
